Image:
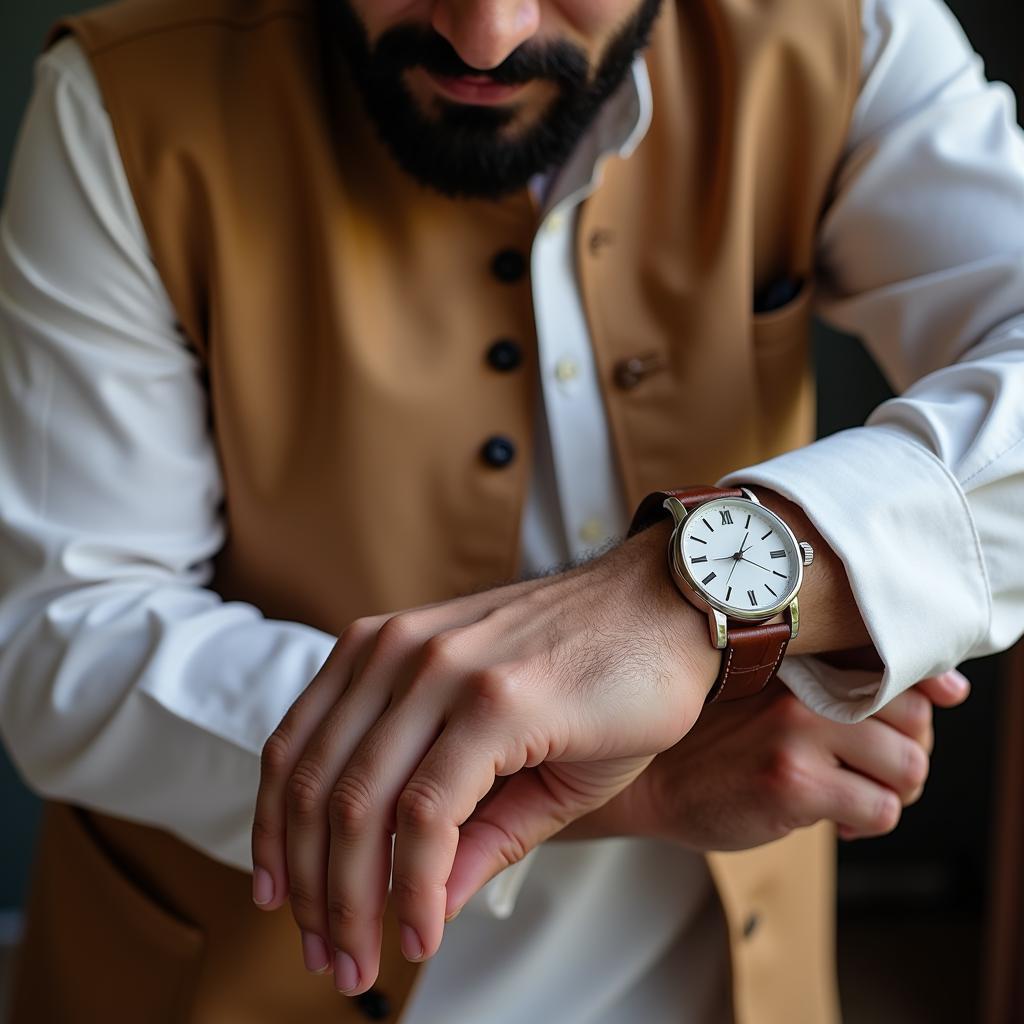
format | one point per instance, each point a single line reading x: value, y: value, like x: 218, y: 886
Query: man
x: 352, y: 235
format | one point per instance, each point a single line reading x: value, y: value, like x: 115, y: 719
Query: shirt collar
x: 618, y: 129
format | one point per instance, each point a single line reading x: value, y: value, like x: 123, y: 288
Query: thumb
x: 526, y: 809
x: 946, y: 690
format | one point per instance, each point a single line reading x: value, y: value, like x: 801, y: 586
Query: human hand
x: 566, y: 687
x: 752, y: 771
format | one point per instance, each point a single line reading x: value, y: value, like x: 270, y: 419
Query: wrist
x: 683, y: 627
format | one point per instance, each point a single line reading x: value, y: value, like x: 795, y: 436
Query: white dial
x: 741, y: 557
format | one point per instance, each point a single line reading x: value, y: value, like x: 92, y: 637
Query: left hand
x: 582, y: 677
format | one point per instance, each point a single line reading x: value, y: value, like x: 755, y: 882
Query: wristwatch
x: 740, y: 563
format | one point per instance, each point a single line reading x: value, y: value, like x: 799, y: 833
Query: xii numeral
x: 726, y: 518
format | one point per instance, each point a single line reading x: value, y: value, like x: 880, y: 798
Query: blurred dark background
x: 912, y: 905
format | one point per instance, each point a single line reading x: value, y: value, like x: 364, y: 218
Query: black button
x: 374, y: 1004
x: 508, y: 266
x: 751, y: 925
x: 505, y: 355
x: 498, y: 452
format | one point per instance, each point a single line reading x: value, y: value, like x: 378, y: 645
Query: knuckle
x: 265, y: 830
x: 441, y: 652
x: 397, y: 633
x: 306, y: 789
x: 419, y: 806
x: 409, y: 890
x: 305, y: 903
x: 918, y: 712
x: 276, y: 755
x: 358, y: 632
x: 342, y: 912
x: 787, y: 787
x: 497, y: 686
x: 790, y: 714
x: 350, y: 805
x: 915, y: 768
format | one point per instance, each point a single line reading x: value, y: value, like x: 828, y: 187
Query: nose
x: 485, y: 32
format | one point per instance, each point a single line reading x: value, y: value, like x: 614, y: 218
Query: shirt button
x: 505, y: 355
x: 508, y: 266
x: 566, y: 370
x: 374, y: 1004
x: 591, y: 531
x: 498, y: 452
x: 554, y: 223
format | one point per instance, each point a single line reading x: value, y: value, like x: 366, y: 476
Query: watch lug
x: 751, y: 496
x: 677, y: 508
x: 719, y: 629
x: 793, y: 614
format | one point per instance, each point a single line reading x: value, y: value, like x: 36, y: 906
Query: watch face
x: 740, y: 557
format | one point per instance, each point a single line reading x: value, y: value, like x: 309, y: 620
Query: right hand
x: 752, y: 771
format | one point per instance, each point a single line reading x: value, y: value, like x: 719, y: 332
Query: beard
x: 472, y: 151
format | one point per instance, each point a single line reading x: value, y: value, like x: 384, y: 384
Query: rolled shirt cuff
x: 902, y: 527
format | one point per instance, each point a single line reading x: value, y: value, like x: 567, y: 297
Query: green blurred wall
x: 850, y: 388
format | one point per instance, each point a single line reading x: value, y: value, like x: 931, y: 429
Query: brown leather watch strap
x: 750, y: 661
x: 652, y: 508
x: 753, y: 653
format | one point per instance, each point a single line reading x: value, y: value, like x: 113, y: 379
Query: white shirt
x: 127, y: 686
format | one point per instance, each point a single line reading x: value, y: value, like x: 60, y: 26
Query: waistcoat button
x: 498, y: 452
x: 374, y: 1004
x: 508, y: 266
x: 505, y: 355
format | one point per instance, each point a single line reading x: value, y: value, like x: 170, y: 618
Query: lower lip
x: 481, y: 91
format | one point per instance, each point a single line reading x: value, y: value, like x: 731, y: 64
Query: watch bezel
x: 682, y: 575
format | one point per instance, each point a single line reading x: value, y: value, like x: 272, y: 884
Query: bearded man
x: 411, y: 503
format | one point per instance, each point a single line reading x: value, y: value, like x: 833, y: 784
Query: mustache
x: 409, y: 46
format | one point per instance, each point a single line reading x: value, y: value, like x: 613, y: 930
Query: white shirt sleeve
x: 922, y: 253
x: 125, y: 685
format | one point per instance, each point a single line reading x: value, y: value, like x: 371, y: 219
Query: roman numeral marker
x: 770, y: 591
x: 767, y: 535
x: 700, y: 558
x: 778, y: 554
x: 708, y: 525
x: 709, y: 578
x: 753, y: 598
x: 726, y: 518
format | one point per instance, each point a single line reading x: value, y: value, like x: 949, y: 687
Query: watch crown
x: 808, y: 552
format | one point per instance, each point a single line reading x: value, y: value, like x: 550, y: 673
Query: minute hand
x: 752, y: 562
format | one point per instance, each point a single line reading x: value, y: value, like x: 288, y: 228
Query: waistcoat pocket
x: 98, y: 947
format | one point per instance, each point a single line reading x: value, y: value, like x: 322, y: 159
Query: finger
x: 946, y: 690
x: 883, y: 754
x: 457, y: 773
x: 307, y: 831
x: 522, y: 812
x: 911, y: 713
x: 858, y: 805
x: 280, y: 754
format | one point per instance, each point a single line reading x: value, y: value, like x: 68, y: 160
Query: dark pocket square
x: 777, y: 294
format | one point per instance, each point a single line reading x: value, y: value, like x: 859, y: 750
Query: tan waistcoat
x: 343, y: 313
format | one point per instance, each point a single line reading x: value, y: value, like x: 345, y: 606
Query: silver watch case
x: 719, y: 614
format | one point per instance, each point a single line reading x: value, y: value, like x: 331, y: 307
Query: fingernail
x: 412, y: 948
x: 451, y: 917
x: 262, y: 887
x: 346, y: 974
x: 314, y: 953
